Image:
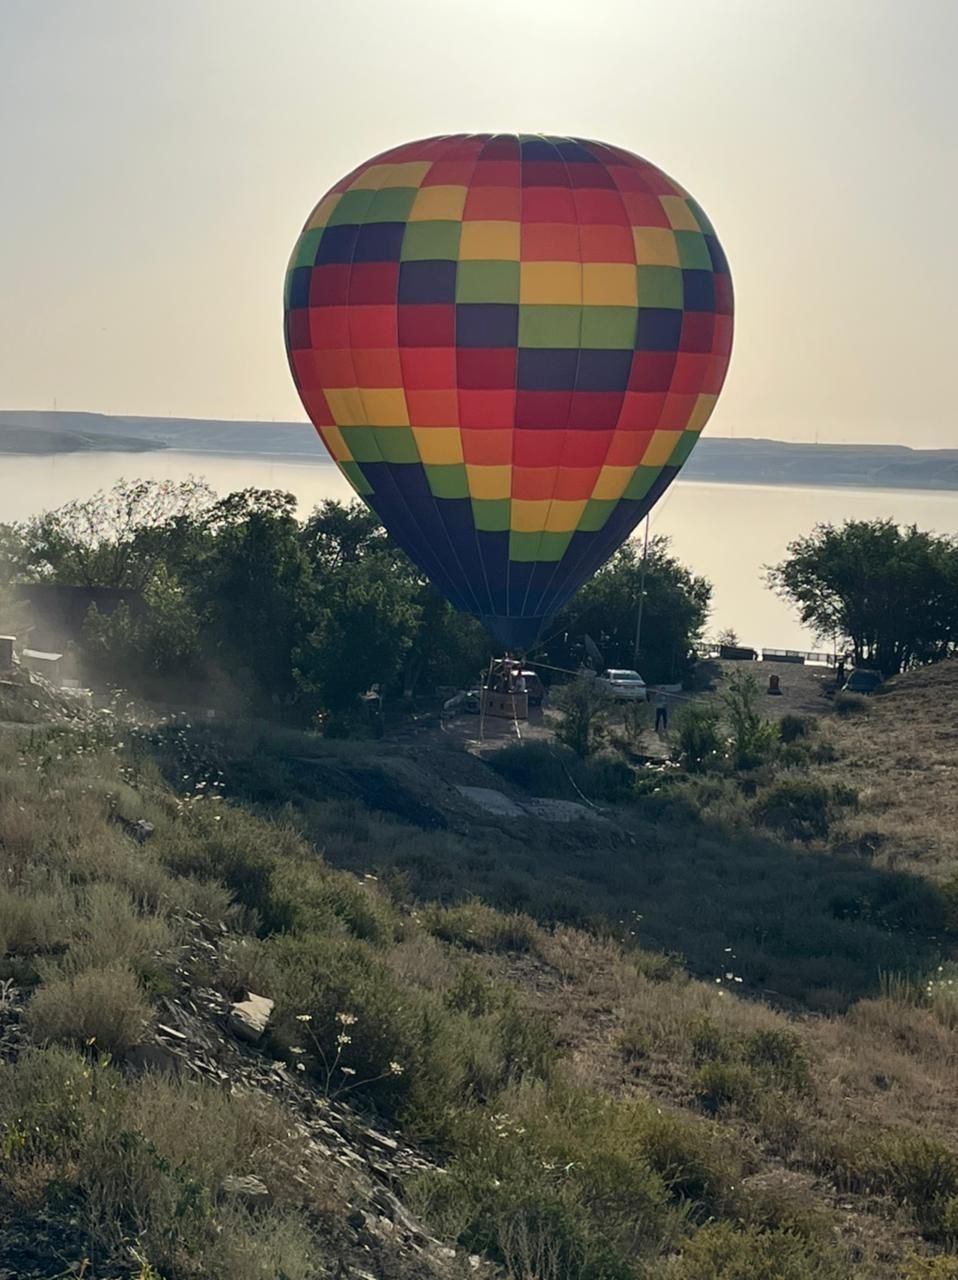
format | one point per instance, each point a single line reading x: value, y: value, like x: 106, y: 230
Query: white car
x: 624, y: 686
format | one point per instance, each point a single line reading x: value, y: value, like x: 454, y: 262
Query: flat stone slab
x: 502, y: 806
x: 561, y: 811
x: 492, y: 801
x: 249, y: 1018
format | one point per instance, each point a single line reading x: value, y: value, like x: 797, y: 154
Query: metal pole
x: 638, y: 621
x: 484, y: 684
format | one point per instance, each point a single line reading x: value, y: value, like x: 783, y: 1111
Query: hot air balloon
x: 509, y: 344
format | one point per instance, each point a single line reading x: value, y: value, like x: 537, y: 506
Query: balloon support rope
x: 579, y: 793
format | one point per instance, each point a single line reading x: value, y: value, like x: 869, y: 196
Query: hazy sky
x: 158, y: 159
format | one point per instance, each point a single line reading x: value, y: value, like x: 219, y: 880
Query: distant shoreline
x: 716, y: 460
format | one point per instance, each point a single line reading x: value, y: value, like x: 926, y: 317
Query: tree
x: 448, y: 646
x: 888, y: 593
x: 584, y: 704
x: 337, y: 534
x: 366, y: 622
x: 113, y: 539
x: 136, y: 649
x: 256, y: 588
x: 675, y: 611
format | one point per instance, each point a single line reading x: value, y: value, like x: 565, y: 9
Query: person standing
x: 661, y: 712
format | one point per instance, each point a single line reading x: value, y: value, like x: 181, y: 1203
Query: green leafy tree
x: 114, y: 539
x: 584, y: 706
x: 675, y: 610
x: 133, y: 648
x: 366, y: 622
x: 888, y: 593
x: 339, y: 533
x: 258, y: 593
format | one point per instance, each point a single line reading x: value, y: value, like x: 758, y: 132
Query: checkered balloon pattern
x: 509, y: 344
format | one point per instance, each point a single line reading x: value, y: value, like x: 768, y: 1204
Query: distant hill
x: 38, y: 440
x: 192, y: 435
x: 716, y: 459
x: 867, y: 466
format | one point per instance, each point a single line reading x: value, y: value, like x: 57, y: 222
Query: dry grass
x: 99, y: 1006
x: 597, y: 1104
x: 903, y: 760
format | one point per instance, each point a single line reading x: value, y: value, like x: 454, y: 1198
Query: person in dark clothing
x: 840, y: 673
x: 661, y: 712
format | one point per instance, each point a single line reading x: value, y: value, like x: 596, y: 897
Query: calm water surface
x: 726, y: 532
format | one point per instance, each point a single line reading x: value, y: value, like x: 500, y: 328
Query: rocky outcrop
x: 199, y: 1033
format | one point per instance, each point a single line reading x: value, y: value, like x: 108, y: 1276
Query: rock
x: 249, y: 1191
x: 153, y: 1057
x: 381, y: 1140
x: 249, y: 1018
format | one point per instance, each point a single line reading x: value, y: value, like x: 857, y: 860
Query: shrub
x: 721, y: 1252
x: 709, y: 1042
x: 583, y: 705
x: 792, y: 727
x: 802, y: 808
x: 636, y: 720
x: 725, y: 1084
x: 699, y: 1166
x: 546, y: 770
x: 109, y: 931
x: 479, y: 927
x: 273, y: 871
x: 34, y: 922
x: 700, y: 741
x: 942, y: 1267
x: 560, y: 1179
x: 922, y: 1173
x: 346, y: 1018
x: 595, y: 1182
x: 754, y: 738
x: 850, y: 704
x: 779, y: 1057
x: 102, y: 1005
x: 145, y: 1160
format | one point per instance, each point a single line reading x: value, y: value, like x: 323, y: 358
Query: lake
x: 725, y: 532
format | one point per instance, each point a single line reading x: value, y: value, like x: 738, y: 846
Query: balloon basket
x: 505, y: 706
x: 504, y: 695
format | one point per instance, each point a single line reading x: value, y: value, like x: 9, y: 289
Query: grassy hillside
x: 701, y: 1033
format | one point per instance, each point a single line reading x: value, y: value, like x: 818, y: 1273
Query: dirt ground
x: 802, y: 691
x: 901, y: 754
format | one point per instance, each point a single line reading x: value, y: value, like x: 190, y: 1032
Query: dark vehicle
x: 862, y: 681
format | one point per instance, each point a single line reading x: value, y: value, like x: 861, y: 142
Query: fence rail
x: 744, y: 653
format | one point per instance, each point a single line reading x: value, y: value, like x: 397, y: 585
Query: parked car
x: 534, y: 688
x: 862, y: 681
x: 624, y: 686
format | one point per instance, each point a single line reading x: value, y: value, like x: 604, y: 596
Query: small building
x: 48, y: 665
x: 58, y: 612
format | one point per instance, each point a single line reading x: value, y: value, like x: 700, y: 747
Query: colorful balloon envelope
x: 509, y: 344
